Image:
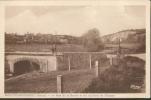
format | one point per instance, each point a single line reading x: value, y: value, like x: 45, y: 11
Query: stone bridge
x: 46, y: 61
x: 140, y: 56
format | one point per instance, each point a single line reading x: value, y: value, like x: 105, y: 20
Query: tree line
x: 90, y: 39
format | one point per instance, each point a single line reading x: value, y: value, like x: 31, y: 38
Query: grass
x: 74, y: 81
x: 119, y: 78
x: 43, y: 48
x: 124, y: 45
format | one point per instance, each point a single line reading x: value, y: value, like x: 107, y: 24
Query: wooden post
x: 90, y: 61
x: 111, y: 60
x: 97, y: 68
x: 59, y: 84
x: 47, y: 65
x: 69, y: 63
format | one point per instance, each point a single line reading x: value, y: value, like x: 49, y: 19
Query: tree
x: 92, y: 41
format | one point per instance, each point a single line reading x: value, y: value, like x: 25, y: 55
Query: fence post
x: 69, y: 63
x: 59, y: 84
x: 97, y: 68
x: 90, y: 61
x: 111, y: 60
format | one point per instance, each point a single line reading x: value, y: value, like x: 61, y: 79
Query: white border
x: 75, y: 3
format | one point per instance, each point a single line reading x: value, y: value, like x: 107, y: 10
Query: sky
x: 73, y: 20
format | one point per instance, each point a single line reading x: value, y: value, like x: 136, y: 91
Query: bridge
x: 45, y: 60
x: 140, y: 56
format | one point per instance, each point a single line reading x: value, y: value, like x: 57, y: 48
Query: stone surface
x: 46, y: 62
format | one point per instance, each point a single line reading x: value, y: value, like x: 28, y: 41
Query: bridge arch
x: 131, y: 60
x: 35, y: 60
x: 25, y: 64
x: 140, y: 56
x: 46, y: 62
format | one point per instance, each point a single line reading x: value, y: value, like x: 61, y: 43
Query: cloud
x: 75, y: 20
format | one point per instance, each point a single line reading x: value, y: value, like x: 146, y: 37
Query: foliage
x: 92, y: 40
x: 118, y: 79
x: 39, y: 38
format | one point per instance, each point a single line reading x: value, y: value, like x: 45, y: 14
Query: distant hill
x: 126, y: 36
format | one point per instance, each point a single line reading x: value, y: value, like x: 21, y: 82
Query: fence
x: 61, y: 82
x: 80, y: 60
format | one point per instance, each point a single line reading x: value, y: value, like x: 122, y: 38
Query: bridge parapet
x: 46, y: 63
x: 34, y: 53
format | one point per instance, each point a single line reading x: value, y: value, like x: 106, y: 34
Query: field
x: 74, y: 81
x: 43, y: 48
x: 126, y: 47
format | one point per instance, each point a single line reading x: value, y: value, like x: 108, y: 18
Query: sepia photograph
x: 75, y: 49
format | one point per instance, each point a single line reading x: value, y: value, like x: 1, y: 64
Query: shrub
x: 117, y: 79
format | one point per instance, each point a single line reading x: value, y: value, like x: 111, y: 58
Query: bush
x: 92, y: 41
x: 118, y: 79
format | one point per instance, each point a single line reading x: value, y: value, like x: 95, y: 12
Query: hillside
x: 126, y: 36
x: 132, y: 41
